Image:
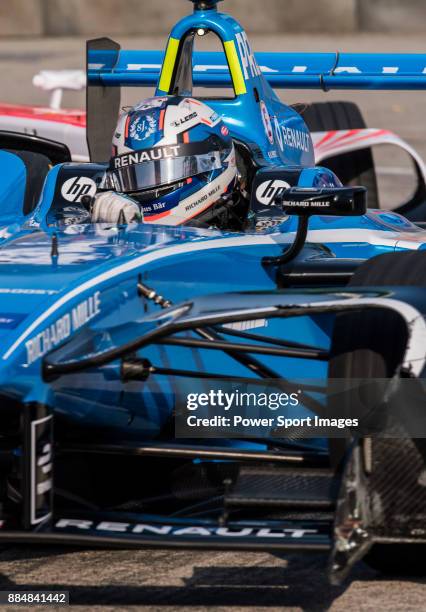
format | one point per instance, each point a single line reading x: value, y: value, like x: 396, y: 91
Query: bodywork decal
x: 189, y: 530
x: 235, y: 67
x: 168, y: 65
x: 50, y: 337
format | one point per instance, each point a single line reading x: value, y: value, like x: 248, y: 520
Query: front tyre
x: 371, y: 344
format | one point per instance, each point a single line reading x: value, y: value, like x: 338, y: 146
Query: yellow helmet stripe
x: 235, y: 67
x: 168, y: 65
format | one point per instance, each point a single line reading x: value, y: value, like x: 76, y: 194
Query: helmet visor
x: 149, y: 174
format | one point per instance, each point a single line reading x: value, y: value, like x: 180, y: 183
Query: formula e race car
x: 120, y: 343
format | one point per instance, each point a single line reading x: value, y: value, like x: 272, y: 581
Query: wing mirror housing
x: 340, y: 201
x: 305, y: 202
x: 276, y: 190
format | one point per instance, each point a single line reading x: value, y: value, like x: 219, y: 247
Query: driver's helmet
x: 175, y: 156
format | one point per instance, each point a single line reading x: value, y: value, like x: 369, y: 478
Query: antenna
x: 205, y: 5
x: 54, y: 251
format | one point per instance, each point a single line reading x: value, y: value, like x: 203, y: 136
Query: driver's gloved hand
x: 111, y: 207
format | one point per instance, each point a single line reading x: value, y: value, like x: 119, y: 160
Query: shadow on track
x: 300, y: 581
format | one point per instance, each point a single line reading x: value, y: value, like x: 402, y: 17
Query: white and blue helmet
x: 175, y: 156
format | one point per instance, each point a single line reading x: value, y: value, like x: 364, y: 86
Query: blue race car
x: 120, y: 340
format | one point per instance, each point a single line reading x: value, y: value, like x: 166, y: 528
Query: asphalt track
x: 162, y: 580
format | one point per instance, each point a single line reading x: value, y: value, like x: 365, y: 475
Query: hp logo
x: 75, y: 188
x: 268, y: 191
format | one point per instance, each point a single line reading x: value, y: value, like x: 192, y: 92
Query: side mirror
x: 345, y: 201
x: 305, y: 202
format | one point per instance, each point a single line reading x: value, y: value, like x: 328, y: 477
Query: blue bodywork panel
x: 92, y: 284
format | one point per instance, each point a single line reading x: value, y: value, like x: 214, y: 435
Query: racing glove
x: 111, y: 207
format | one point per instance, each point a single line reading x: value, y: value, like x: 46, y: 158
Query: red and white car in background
x: 52, y: 121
